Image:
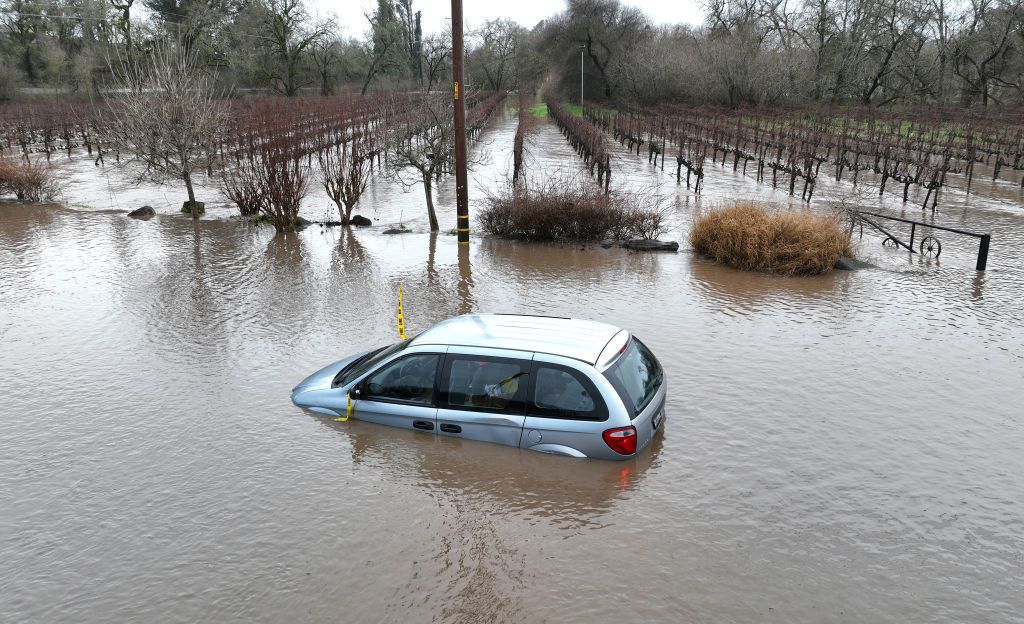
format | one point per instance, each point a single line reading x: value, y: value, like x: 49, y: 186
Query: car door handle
x: 425, y: 425
x: 447, y: 428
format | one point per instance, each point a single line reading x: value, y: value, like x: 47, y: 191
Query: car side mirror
x: 355, y: 393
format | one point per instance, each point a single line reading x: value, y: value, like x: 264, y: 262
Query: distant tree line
x: 747, y: 52
x: 272, y: 45
x: 785, y: 52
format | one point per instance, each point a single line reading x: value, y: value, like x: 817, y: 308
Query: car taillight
x: 621, y: 440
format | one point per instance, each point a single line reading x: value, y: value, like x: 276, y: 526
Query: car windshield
x: 636, y: 376
x: 367, y: 362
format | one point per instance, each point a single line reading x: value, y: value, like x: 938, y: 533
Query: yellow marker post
x: 401, y: 315
x: 348, y: 411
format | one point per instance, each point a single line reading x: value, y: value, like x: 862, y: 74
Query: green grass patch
x: 576, y: 109
x: 539, y: 111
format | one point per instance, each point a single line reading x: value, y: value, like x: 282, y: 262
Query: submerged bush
x: 754, y: 237
x: 571, y: 209
x: 268, y: 184
x: 32, y: 182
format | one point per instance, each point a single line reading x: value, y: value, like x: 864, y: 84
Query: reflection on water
x: 476, y: 571
x: 842, y: 448
x: 570, y: 493
x: 465, y: 281
x: 742, y: 292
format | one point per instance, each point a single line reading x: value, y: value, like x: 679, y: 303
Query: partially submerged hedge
x: 31, y: 182
x: 755, y: 237
x: 562, y: 209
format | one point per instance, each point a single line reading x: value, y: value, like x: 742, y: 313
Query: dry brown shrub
x: 571, y: 208
x: 755, y: 237
x: 31, y: 182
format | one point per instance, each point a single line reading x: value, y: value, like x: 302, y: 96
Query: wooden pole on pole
x: 458, y: 92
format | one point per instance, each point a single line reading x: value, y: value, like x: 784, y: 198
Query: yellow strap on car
x: 401, y: 315
x: 348, y: 411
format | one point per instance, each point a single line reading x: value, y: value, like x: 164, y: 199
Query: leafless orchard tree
x: 424, y: 146
x: 345, y: 171
x: 286, y: 181
x: 167, y: 116
x: 421, y: 146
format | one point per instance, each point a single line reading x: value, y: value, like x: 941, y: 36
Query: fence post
x: 983, y: 252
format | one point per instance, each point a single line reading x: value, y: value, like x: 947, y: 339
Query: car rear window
x: 560, y: 392
x: 636, y: 376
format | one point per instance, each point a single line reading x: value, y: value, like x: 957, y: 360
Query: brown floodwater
x: 843, y: 448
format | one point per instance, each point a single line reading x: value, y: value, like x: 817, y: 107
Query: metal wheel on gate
x: 930, y: 247
x: 890, y: 242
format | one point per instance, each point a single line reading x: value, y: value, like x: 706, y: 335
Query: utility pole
x: 582, y: 46
x: 461, y: 186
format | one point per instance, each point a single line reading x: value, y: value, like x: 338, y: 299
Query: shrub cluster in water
x: 27, y: 181
x: 754, y: 237
x: 562, y: 209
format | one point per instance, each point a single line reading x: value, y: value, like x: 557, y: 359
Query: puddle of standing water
x: 837, y: 448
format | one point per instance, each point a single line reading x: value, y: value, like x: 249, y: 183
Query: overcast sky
x: 527, y: 12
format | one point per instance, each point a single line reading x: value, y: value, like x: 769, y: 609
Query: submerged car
x: 565, y: 386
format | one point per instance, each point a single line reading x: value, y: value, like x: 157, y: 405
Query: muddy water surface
x: 846, y: 448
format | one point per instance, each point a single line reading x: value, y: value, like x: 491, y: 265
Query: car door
x: 482, y: 394
x: 565, y: 412
x: 401, y: 393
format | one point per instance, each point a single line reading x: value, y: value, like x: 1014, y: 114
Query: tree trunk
x: 370, y: 73
x: 191, y: 195
x: 430, y: 204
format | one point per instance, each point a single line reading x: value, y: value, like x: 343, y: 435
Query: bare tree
x: 243, y: 183
x: 494, y: 54
x: 604, y: 28
x: 897, y: 27
x: 424, y: 144
x: 345, y: 171
x: 268, y: 181
x: 288, y: 39
x: 123, y: 22
x: 437, y: 57
x: 326, y: 56
x: 168, y: 116
x: 985, y: 49
x: 285, y: 180
x: 942, y: 29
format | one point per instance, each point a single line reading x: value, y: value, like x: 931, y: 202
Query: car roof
x: 572, y: 338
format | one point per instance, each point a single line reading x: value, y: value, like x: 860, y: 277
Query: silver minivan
x: 558, y: 385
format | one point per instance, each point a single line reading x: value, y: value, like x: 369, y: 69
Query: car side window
x: 560, y: 392
x: 408, y: 379
x: 476, y: 382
